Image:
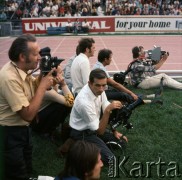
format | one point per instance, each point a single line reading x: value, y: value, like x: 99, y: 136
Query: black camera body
x: 47, y: 62
x: 155, y: 54
x: 121, y: 116
x: 120, y: 77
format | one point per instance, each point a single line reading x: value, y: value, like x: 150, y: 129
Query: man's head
x: 138, y: 51
x: 87, y: 46
x: 97, y: 81
x: 24, y: 51
x: 83, y: 161
x: 105, y: 56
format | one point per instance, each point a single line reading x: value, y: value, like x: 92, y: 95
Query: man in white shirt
x: 90, y: 114
x: 80, y: 68
x: 69, y: 26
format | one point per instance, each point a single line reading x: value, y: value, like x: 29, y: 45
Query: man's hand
x: 47, y: 81
x: 114, y: 105
x: 135, y: 97
x: 118, y: 135
x: 165, y: 56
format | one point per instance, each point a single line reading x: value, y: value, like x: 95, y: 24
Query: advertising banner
x: 40, y: 25
x: 112, y: 24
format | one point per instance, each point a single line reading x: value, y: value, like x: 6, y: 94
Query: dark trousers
x: 92, y: 137
x: 16, y: 151
x: 49, y: 118
x: 118, y: 95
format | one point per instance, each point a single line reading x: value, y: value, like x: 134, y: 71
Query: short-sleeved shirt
x: 16, y: 91
x: 86, y: 110
x: 99, y: 65
x: 80, y: 71
x: 140, y: 70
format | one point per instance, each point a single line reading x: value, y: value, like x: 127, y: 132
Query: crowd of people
x: 42, y: 103
x: 72, y: 8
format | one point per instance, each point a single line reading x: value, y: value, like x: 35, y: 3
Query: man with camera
x: 57, y: 102
x: 90, y: 114
x: 143, y: 71
x: 55, y: 107
x: 117, y: 90
x: 19, y: 104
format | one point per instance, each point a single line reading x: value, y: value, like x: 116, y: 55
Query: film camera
x: 120, y: 77
x: 155, y: 54
x: 121, y: 116
x: 47, y: 62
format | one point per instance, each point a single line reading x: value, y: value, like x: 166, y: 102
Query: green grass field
x: 154, y: 150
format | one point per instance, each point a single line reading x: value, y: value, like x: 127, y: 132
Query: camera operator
x: 19, y: 104
x: 87, y: 120
x: 143, y: 71
x: 119, y: 92
x: 55, y: 107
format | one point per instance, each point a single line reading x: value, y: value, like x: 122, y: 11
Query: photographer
x: 118, y: 91
x: 55, y: 107
x: 87, y: 120
x: 19, y: 104
x: 143, y: 72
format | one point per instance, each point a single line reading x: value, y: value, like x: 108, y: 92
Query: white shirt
x: 80, y: 71
x: 86, y: 110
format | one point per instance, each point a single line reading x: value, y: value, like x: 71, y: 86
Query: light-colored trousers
x: 154, y: 82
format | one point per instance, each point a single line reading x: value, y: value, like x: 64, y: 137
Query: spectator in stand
x: 61, y: 11
x: 84, y: 12
x: 85, y: 26
x: 3, y: 16
x: 100, y: 11
x: 77, y: 14
x: 94, y: 11
x: 69, y: 26
x: 46, y: 11
x: 26, y: 13
x: 77, y: 26
x: 68, y: 14
x: 54, y: 9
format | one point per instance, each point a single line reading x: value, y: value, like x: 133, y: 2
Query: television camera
x: 155, y: 54
x: 47, y: 62
x: 121, y: 116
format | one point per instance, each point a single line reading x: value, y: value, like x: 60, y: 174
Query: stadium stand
x: 70, y: 8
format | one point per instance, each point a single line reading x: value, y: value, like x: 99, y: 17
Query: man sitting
x: 119, y: 92
x: 69, y: 26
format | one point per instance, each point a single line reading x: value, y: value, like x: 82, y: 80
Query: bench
x: 59, y: 31
x: 56, y: 30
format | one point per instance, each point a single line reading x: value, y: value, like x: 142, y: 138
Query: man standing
x: 80, y: 68
x: 119, y: 92
x: 90, y: 114
x: 19, y: 104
